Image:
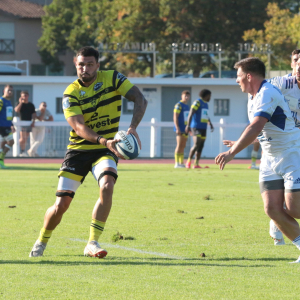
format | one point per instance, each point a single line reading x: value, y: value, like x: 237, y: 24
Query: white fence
x: 158, y: 138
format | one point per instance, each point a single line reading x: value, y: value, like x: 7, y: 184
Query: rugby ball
x: 128, y: 145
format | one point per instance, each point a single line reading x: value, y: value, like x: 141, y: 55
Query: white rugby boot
x: 93, y: 249
x: 178, y: 166
x: 296, y: 261
x: 38, y: 249
x: 276, y: 234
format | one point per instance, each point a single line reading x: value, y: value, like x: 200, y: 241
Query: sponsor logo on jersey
x: 65, y: 103
x: 121, y: 77
x: 94, y: 102
x: 98, y: 86
x: 100, y: 123
x: 81, y: 93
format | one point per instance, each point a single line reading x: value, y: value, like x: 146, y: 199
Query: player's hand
x: 228, y: 143
x: 111, y: 145
x: 133, y: 131
x: 13, y: 129
x: 187, y: 129
x: 212, y: 129
x: 223, y: 158
x: 21, y: 100
x: 32, y: 124
x: 178, y: 132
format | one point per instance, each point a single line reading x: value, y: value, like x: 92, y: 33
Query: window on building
x: 43, y: 70
x: 221, y: 107
x: 7, y: 37
x: 59, y: 109
x: 127, y: 106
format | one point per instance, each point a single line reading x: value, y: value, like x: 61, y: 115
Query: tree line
x: 71, y: 24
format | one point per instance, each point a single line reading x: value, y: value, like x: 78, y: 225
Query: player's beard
x: 89, y: 78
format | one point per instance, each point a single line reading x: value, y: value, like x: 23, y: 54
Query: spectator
x: 27, y: 113
x: 6, y: 127
x: 38, y: 132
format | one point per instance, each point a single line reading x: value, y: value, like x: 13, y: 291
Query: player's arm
x: 175, y: 119
x: 77, y: 123
x: 140, y: 105
x: 210, y: 124
x: 248, y: 136
x: 18, y: 107
x: 189, y: 119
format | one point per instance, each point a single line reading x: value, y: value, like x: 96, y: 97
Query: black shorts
x: 5, y: 131
x: 77, y: 164
x: 26, y: 128
x: 199, y: 133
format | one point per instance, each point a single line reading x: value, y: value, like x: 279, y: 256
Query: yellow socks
x: 176, y: 158
x: 96, y: 230
x: 181, y: 157
x: 45, y: 235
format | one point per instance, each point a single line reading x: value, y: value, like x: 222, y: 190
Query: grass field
x: 174, y: 215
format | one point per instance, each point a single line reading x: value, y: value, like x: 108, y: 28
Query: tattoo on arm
x: 140, y: 104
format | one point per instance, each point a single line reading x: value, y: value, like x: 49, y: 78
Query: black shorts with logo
x: 77, y: 164
x: 5, y: 131
x: 199, y: 132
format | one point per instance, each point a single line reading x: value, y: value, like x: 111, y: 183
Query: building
x: 228, y: 105
x: 20, y: 30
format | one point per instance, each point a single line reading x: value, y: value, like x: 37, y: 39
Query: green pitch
x: 167, y: 217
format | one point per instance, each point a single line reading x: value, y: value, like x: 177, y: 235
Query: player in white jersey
x: 294, y: 59
x: 289, y: 85
x: 272, y: 123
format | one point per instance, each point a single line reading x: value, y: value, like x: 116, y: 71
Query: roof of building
x: 9, y: 70
x: 21, y: 8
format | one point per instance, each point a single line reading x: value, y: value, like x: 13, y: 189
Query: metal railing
x: 158, y: 138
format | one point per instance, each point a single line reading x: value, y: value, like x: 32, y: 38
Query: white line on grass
x: 134, y: 250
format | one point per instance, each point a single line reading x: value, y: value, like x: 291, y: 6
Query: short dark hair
x: 296, y: 51
x: 24, y: 92
x: 185, y: 92
x: 204, y: 93
x: 7, y: 86
x: 252, y: 65
x: 88, y: 51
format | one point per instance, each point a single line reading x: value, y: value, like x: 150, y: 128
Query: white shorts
x: 280, y: 172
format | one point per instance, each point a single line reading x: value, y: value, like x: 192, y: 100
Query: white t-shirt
x: 47, y: 114
x: 289, y: 88
x: 279, y: 133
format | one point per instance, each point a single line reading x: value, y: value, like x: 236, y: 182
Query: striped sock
x: 296, y: 242
x: 45, y: 235
x: 96, y: 230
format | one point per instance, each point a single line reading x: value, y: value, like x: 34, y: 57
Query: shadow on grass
x: 134, y: 261
x: 29, y: 168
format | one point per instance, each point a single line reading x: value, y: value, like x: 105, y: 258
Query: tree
x: 280, y: 31
x: 70, y: 24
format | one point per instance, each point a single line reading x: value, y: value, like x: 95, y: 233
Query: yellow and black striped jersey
x: 100, y: 104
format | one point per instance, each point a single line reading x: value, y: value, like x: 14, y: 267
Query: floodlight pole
x: 198, y: 52
x: 102, y: 50
x: 258, y: 52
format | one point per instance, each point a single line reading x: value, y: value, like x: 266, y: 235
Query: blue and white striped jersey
x: 279, y: 133
x: 289, y: 88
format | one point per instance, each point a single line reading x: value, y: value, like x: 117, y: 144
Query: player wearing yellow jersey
x: 92, y: 107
